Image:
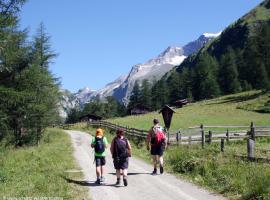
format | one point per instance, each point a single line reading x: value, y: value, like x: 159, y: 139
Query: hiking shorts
x: 157, y: 150
x: 120, y: 163
x: 100, y: 161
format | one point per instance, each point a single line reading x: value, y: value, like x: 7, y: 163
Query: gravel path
x: 142, y: 185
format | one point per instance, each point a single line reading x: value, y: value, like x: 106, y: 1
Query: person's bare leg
x: 102, y: 171
x: 98, y: 172
x: 125, y: 171
x: 161, y: 162
x: 155, y: 164
x: 118, y: 174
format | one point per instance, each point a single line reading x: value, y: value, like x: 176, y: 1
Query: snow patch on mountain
x: 213, y: 35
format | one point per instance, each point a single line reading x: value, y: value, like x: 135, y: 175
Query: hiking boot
x: 161, y: 169
x: 154, y: 172
x: 97, y: 181
x: 118, y: 182
x: 125, y: 181
x: 102, y: 179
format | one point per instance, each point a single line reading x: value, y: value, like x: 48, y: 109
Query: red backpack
x: 158, y: 136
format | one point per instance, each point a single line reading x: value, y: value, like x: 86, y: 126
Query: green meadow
x: 40, y: 171
x: 238, y: 109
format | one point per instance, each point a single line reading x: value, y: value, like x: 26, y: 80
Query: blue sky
x: 99, y: 40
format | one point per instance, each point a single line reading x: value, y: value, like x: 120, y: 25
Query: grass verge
x: 38, y: 172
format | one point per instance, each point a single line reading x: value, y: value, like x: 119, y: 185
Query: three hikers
x: 100, y: 143
x: 156, y: 143
x: 121, y: 151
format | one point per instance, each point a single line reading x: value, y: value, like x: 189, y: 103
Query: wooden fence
x: 200, y: 134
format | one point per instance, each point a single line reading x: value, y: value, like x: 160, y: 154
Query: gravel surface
x: 141, y: 184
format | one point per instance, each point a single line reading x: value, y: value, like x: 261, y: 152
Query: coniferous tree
x: 145, y: 94
x: 160, y: 94
x: 205, y: 81
x: 228, y: 73
x: 111, y: 107
x: 175, y: 87
x: 135, y: 96
x: 255, y: 72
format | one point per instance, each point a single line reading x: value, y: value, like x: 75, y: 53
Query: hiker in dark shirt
x: 156, y: 143
x: 121, y: 151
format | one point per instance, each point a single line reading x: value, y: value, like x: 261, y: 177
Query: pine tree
x: 205, y: 79
x: 135, y: 96
x: 160, y: 94
x: 255, y: 71
x: 145, y: 94
x: 175, y: 87
x: 228, y: 73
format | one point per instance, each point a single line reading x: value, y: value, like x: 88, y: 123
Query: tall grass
x: 236, y: 178
x: 40, y: 171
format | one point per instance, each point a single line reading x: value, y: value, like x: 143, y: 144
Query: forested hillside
x: 28, y: 91
x: 238, y: 60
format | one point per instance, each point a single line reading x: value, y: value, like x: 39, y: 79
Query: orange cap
x: 99, y: 132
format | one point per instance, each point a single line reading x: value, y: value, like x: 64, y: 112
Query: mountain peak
x: 85, y: 90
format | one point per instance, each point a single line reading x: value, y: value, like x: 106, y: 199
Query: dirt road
x: 142, y: 185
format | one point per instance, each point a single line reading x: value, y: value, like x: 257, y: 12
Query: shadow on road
x: 131, y: 174
x: 88, y: 183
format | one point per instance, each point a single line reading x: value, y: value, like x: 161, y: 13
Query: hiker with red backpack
x: 100, y: 143
x: 156, y: 143
x: 121, y: 151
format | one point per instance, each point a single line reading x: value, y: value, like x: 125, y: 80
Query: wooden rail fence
x: 200, y: 134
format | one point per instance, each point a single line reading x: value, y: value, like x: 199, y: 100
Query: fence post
x: 210, y: 137
x: 227, y: 135
x: 203, y: 136
x: 168, y: 133
x: 180, y: 137
x: 189, y: 140
x: 177, y: 138
x: 222, y: 145
x: 252, y: 131
x: 250, y: 148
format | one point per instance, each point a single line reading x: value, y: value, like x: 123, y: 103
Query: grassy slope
x: 226, y: 110
x: 40, y: 171
x: 237, y: 179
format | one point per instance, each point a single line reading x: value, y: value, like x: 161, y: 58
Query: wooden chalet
x: 180, y: 103
x: 139, y: 110
x: 90, y: 118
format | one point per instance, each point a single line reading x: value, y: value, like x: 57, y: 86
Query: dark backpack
x: 99, y: 146
x: 120, y: 148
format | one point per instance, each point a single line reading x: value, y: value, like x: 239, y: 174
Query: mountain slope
x: 236, y: 61
x: 155, y: 68
x: 122, y: 87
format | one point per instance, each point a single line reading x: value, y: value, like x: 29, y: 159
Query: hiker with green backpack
x: 156, y: 143
x: 100, y: 143
x: 121, y: 151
